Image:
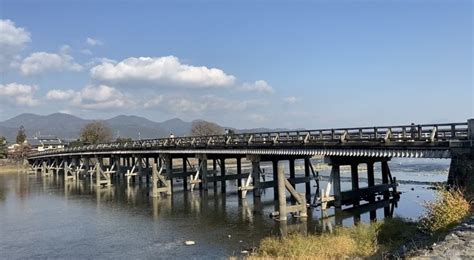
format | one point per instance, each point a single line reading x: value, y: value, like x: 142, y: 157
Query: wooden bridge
x: 202, y: 161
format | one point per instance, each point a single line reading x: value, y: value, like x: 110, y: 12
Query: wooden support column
x: 205, y: 183
x: 223, y: 182
x: 139, y: 164
x: 307, y: 169
x: 66, y: 170
x: 275, y: 179
x: 336, y: 180
x: 185, y: 172
x: 385, y: 178
x: 147, y: 167
x: 214, y: 168
x: 371, y: 180
x: 199, y: 176
x: 239, y: 180
x: 255, y: 174
x: 44, y: 169
x: 355, y: 181
x: 169, y: 170
x: 156, y: 179
x: 292, y: 175
x: 98, y: 166
x: 281, y: 191
x: 283, y: 209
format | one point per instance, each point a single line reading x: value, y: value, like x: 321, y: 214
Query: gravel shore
x: 457, y: 244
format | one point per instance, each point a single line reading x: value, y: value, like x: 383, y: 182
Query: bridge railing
x: 426, y: 133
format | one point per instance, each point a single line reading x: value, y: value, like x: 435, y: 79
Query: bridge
x: 200, y: 162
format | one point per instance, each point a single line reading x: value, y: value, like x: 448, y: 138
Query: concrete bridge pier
x: 461, y: 170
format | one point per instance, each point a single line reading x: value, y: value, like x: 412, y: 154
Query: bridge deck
x: 427, y: 140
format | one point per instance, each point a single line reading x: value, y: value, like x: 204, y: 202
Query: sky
x: 243, y: 64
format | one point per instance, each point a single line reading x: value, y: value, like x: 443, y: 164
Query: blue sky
x: 240, y: 63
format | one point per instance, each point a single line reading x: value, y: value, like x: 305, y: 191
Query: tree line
x: 99, y: 132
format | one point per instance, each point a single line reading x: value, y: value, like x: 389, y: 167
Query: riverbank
x: 390, y: 238
x: 458, y: 243
x: 9, y: 166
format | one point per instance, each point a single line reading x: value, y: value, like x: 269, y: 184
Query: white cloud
x: 94, y: 61
x: 19, y: 94
x: 13, y: 39
x: 92, y: 97
x: 100, y: 97
x: 291, y: 99
x: 161, y: 71
x: 40, y: 62
x: 93, y: 42
x: 57, y: 94
x: 205, y: 103
x: 156, y: 101
x: 258, y: 86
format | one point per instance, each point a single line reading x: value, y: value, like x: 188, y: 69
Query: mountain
x: 177, y: 126
x: 69, y: 126
x: 63, y: 125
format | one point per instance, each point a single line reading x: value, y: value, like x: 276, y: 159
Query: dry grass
x: 8, y: 169
x: 448, y: 210
x: 363, y: 240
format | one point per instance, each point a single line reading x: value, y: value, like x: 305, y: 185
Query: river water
x: 43, y: 218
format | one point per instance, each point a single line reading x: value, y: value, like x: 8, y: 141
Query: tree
x: 3, y: 147
x: 21, y: 135
x: 202, y: 128
x: 21, y: 152
x: 76, y: 143
x: 96, y: 132
x: 123, y: 140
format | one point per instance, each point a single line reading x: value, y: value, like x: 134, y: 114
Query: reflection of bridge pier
x: 218, y: 160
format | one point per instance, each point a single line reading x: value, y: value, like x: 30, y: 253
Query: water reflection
x: 126, y: 217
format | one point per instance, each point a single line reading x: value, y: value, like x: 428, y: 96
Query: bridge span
x: 202, y: 161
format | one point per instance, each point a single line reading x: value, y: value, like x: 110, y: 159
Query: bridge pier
x: 461, y: 170
x: 185, y: 173
x: 223, y: 173
x: 275, y: 178
x: 300, y: 207
x: 356, y: 194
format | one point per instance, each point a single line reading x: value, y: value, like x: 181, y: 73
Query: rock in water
x: 189, y: 242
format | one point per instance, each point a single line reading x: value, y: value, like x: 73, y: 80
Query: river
x: 43, y: 218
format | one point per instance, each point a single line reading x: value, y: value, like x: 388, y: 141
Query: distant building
x: 46, y: 142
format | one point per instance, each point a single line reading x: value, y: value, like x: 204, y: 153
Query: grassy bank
x: 376, y: 239
x: 9, y: 169
x: 362, y: 240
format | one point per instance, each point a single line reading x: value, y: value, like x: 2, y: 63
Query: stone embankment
x: 458, y: 244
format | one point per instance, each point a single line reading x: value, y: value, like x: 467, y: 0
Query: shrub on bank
x: 362, y: 240
x: 449, y: 209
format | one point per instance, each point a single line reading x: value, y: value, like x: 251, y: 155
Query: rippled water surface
x: 43, y: 218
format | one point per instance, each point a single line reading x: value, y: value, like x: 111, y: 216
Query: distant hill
x: 68, y: 126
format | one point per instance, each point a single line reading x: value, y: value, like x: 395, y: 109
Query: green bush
x: 449, y: 209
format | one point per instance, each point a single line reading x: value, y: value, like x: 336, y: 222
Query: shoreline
x: 10, y: 169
